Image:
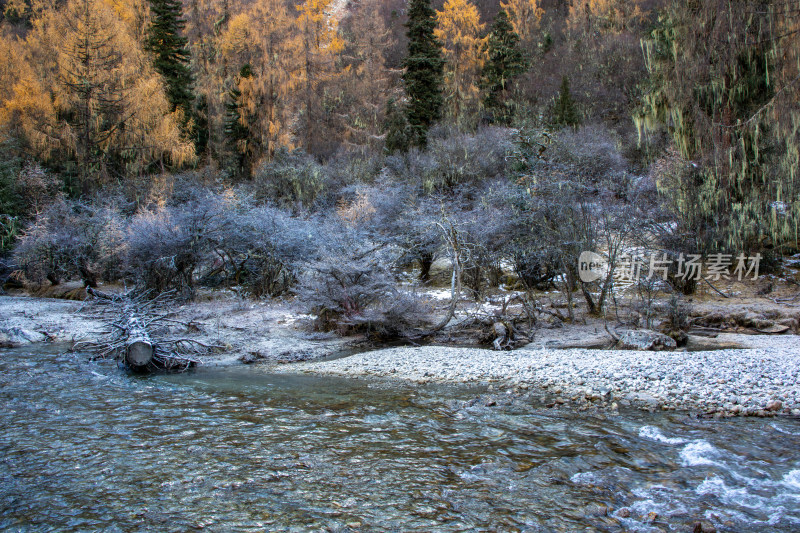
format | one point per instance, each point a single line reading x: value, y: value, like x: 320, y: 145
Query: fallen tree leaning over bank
x: 137, y: 336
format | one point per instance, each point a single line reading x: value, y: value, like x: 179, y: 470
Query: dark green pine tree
x: 237, y: 128
x: 424, y: 71
x: 171, y: 56
x: 396, y: 128
x: 564, y: 111
x: 505, y: 62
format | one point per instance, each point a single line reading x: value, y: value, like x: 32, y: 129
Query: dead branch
x: 131, y: 337
x: 716, y: 289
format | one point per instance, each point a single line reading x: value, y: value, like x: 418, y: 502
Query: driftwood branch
x: 716, y: 289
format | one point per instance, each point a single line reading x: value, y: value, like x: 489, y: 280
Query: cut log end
x: 139, y: 353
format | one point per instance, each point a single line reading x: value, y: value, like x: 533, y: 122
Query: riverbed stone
x: 13, y: 337
x: 774, y: 405
x: 645, y: 340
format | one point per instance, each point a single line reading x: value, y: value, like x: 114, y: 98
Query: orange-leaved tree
x: 85, y: 99
x: 319, y: 47
x: 459, y: 30
x: 260, y: 45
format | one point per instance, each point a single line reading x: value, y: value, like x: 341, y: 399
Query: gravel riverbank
x: 761, y: 380
x: 250, y: 331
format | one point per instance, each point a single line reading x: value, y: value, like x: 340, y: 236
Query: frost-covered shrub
x: 454, y: 160
x: 70, y: 240
x: 591, y: 152
x: 264, y: 249
x: 408, y: 221
x: 292, y: 179
x: 350, y: 286
x: 402, y: 313
x: 167, y: 244
x: 467, y: 159
x: 346, y: 173
x: 25, y: 187
x: 484, y: 227
x: 36, y: 187
x: 341, y: 288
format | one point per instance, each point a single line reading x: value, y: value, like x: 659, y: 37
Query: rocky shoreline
x: 757, y: 381
x: 250, y: 331
x: 762, y: 379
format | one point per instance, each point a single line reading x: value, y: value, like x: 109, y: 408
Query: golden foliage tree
x: 85, y: 97
x: 26, y: 110
x: 134, y: 14
x: 261, y: 39
x: 604, y: 16
x: 525, y: 16
x: 368, y: 81
x: 205, y: 22
x: 459, y: 30
x: 319, y: 46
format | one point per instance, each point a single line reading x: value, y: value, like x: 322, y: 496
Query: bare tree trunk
x: 138, y: 347
x: 425, y: 264
x: 451, y: 237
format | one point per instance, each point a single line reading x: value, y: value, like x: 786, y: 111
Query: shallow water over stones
x: 84, y: 446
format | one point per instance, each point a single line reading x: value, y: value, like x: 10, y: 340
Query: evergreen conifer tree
x: 396, y: 128
x: 171, y: 57
x: 238, y: 134
x: 505, y: 62
x: 564, y: 111
x: 424, y: 68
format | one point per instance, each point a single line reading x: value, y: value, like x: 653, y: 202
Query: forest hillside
x: 347, y: 154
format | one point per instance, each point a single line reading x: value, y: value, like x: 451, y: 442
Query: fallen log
x: 135, y: 338
x: 139, y: 349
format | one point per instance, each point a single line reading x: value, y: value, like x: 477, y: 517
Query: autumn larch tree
x: 603, y: 16
x: 504, y: 62
x: 366, y: 80
x: 525, y: 16
x: 86, y: 100
x: 261, y: 44
x: 424, y: 68
x: 459, y: 30
x: 319, y: 48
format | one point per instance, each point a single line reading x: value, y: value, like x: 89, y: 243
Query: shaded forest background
x: 267, y: 142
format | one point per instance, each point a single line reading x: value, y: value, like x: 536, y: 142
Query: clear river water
x: 85, y: 447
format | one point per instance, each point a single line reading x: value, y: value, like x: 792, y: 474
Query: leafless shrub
x: 292, y: 179
x: 591, y: 152
x: 350, y: 286
x: 407, y: 220
x: 401, y: 314
x: 483, y: 224
x: 263, y: 250
x: 36, y: 187
x: 453, y: 159
x: 166, y: 245
x: 71, y: 240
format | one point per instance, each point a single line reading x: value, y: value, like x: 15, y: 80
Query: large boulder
x: 13, y: 337
x: 645, y: 339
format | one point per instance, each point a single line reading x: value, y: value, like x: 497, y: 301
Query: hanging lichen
x: 724, y: 82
